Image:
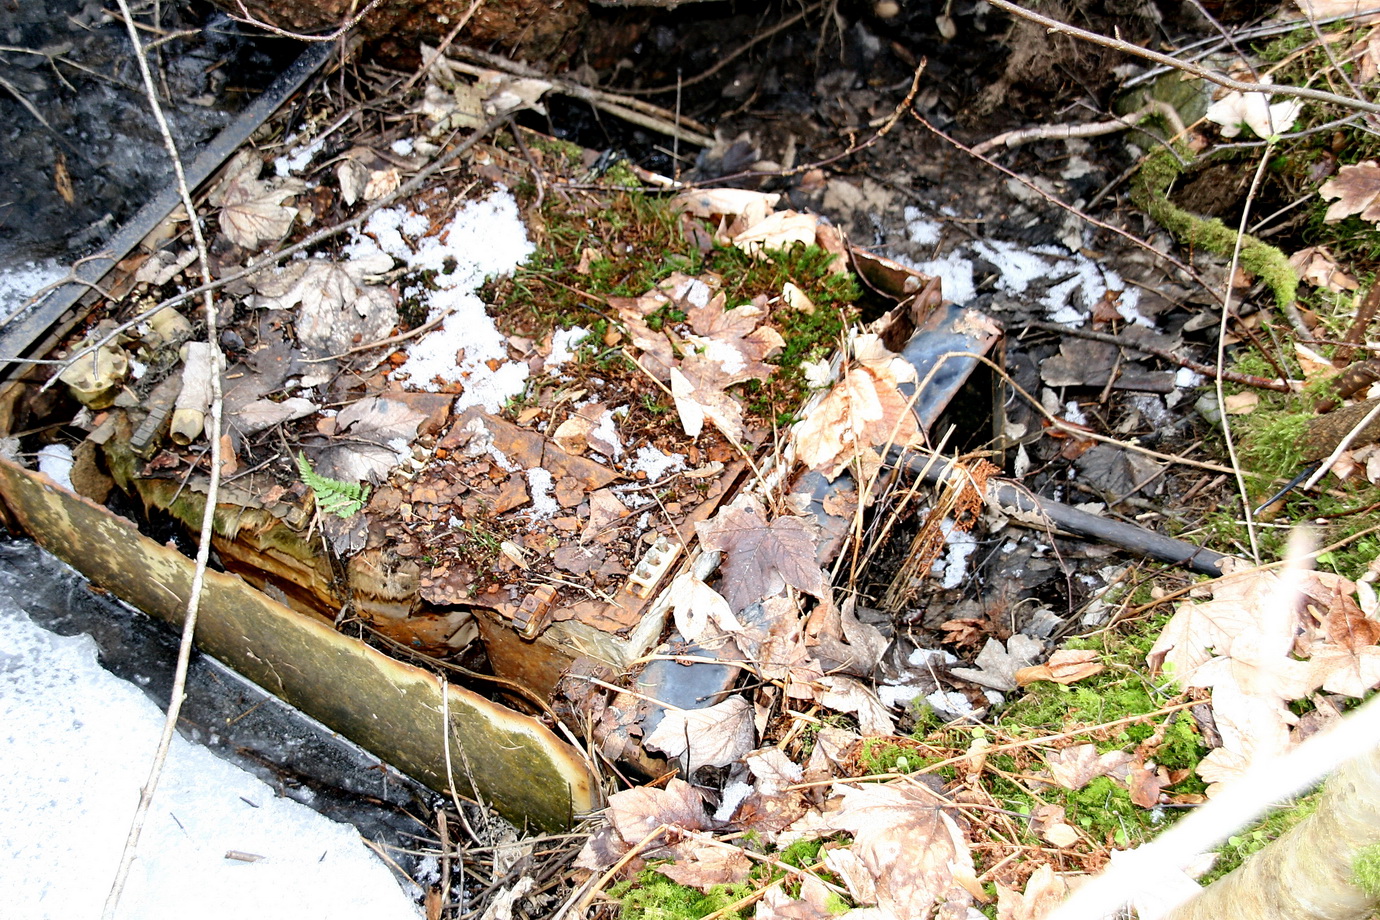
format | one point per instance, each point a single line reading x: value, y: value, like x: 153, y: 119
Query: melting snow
x: 77, y: 747
x: 485, y: 238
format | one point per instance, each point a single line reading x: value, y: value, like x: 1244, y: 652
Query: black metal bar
x: 19, y: 334
x: 1058, y: 516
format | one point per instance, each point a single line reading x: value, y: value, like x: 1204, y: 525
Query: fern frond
x: 343, y: 499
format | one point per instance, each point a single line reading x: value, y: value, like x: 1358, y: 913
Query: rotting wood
x: 389, y: 708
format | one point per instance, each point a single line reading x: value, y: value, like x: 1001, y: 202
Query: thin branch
x: 1212, y: 76
x: 184, y: 650
x: 1222, y: 355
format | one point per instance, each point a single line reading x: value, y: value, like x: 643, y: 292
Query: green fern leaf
x: 343, y: 499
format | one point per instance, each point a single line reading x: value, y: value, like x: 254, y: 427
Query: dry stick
x: 1326, y: 465
x: 249, y: 19
x: 184, y: 650
x: 1206, y: 370
x: 1082, y: 215
x: 1092, y: 129
x: 1212, y: 76
x: 272, y: 259
x: 445, y: 43
x: 1222, y: 354
x: 723, y: 62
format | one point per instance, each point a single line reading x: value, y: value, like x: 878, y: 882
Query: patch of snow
x: 949, y: 703
x: 77, y: 747
x: 955, y: 563
x: 563, y: 342
x: 955, y: 274
x: 920, y: 230
x: 1018, y: 264
x: 299, y: 159
x: 20, y: 283
x: 898, y: 696
x: 540, y: 482
x: 732, y: 796
x: 403, y: 147
x: 1187, y: 379
x: 55, y: 461
x: 656, y: 464
x: 485, y: 238
x: 929, y: 657
x: 1074, y: 414
x: 607, y: 431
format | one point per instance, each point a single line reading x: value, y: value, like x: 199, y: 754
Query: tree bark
x: 1307, y: 873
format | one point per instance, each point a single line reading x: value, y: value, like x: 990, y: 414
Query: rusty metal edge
x: 394, y: 710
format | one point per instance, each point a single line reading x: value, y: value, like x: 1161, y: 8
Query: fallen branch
x: 1091, y: 129
x: 203, y: 553
x: 1212, y: 76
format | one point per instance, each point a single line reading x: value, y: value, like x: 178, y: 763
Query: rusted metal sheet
x: 392, y: 709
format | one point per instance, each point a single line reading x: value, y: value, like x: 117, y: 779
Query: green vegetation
x: 343, y: 499
x: 1150, y: 192
x: 653, y: 896
x: 1365, y: 870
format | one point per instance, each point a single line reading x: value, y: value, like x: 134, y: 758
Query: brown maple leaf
x: 697, y: 387
x: 1356, y: 189
x: 762, y: 558
x: 734, y: 339
x: 915, y: 852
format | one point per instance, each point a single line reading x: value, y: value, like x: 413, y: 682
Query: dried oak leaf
x: 338, y: 309
x: 1356, y: 189
x: 913, y: 849
x: 698, y: 391
x: 694, y: 604
x: 762, y: 558
x: 734, y: 339
x: 1315, y: 265
x: 715, y: 736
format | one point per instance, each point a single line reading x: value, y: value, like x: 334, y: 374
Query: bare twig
x: 1082, y: 215
x: 1212, y: 76
x: 1091, y: 129
x: 249, y: 19
x: 184, y: 650
x: 1222, y: 353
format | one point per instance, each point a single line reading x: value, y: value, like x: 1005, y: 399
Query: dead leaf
x: 1044, y: 891
x: 252, y: 212
x: 780, y: 230
x: 373, y: 435
x: 694, y: 605
x: 913, y: 849
x: 338, y: 311
x: 1328, y: 9
x: 997, y: 666
x: 762, y: 558
x: 704, y: 398
x: 845, y: 694
x: 1243, y: 403
x: 1076, y: 766
x: 706, y: 865
x: 814, y: 903
x: 715, y: 736
x: 865, y: 409
x: 1315, y: 265
x: 1355, y: 189
x: 1065, y: 666
x: 635, y: 813
x: 1145, y: 784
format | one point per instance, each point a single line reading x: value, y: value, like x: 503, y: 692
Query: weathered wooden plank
x: 392, y: 709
